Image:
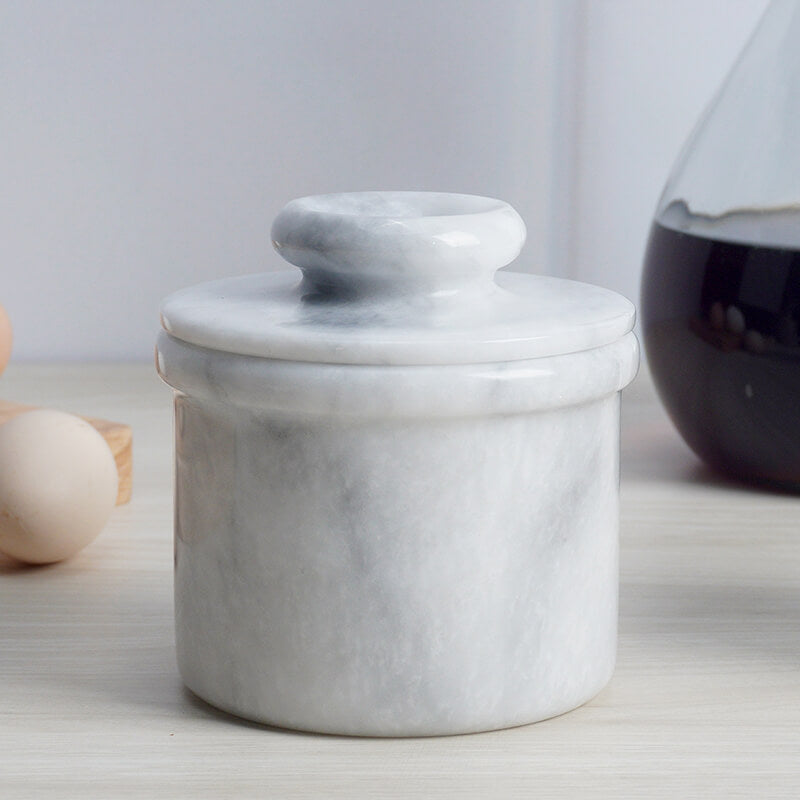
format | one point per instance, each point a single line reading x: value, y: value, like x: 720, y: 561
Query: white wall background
x: 648, y: 68
x: 147, y: 144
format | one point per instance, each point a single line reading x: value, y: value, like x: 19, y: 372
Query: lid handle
x: 363, y: 243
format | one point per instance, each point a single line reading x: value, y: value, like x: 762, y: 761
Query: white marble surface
x: 391, y: 577
x: 383, y: 392
x: 395, y: 286
x: 372, y: 243
x: 396, y: 550
x: 390, y: 548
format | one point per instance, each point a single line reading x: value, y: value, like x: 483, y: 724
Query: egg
x: 58, y: 485
x: 5, y: 338
x: 734, y: 319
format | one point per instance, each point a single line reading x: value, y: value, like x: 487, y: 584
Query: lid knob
x: 363, y: 243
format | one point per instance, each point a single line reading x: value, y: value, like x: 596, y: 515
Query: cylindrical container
x: 397, y: 474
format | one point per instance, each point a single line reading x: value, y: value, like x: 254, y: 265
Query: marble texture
x: 396, y: 578
x: 381, y: 542
x: 418, y: 392
x: 370, y: 243
x: 419, y: 290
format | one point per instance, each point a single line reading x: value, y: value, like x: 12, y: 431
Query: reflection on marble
x: 396, y: 478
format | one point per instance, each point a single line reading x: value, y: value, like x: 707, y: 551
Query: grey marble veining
x: 396, y: 477
x: 397, y: 290
x: 396, y: 578
x: 427, y: 391
x: 397, y: 243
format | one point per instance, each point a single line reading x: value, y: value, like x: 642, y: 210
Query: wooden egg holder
x: 118, y: 436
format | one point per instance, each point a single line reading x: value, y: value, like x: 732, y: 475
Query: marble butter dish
x: 396, y: 474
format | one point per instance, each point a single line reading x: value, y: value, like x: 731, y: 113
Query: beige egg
x: 6, y: 338
x: 58, y: 485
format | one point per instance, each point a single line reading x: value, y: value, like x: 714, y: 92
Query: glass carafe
x: 720, y: 304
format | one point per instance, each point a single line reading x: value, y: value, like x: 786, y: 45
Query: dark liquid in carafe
x: 721, y: 319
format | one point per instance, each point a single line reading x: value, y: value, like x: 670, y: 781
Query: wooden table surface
x: 705, y: 701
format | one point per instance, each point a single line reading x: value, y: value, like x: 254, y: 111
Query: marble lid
x: 397, y: 278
